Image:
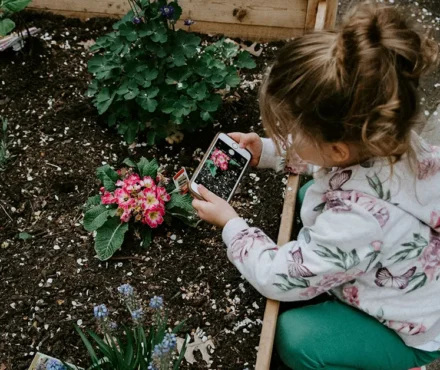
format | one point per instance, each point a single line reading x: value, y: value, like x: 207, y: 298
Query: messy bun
x: 357, y: 85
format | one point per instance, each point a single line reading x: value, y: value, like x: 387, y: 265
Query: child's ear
x: 340, y: 152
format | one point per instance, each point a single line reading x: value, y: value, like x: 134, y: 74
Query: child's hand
x: 251, y: 142
x: 213, y: 209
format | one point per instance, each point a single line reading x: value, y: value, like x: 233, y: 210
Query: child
x: 347, y: 103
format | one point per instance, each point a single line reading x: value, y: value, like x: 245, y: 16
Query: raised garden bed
x: 53, y: 280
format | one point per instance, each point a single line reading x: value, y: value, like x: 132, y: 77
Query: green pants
x: 334, y: 336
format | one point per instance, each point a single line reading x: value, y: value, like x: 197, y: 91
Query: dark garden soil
x: 53, y: 280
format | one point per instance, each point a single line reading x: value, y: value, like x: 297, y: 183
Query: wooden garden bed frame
x: 256, y: 20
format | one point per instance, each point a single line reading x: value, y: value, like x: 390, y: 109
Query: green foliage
x: 131, y: 347
x: 5, y: 155
x: 7, y: 8
x: 150, y: 78
x: 107, y: 221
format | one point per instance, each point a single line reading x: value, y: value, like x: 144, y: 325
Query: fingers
x: 207, y: 195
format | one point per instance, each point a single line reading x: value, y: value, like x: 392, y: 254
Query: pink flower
x: 123, y: 198
x: 435, y: 220
x: 108, y: 198
x: 162, y: 194
x: 408, y: 328
x: 430, y: 257
x: 125, y: 217
x: 132, y: 182
x: 351, y: 295
x: 153, y: 217
x: 376, y: 207
x: 150, y: 200
x: 220, y: 159
x: 428, y: 167
x: 377, y: 245
x: 147, y: 182
x: 245, y: 240
x: 102, y: 189
x: 120, y: 183
x: 329, y: 282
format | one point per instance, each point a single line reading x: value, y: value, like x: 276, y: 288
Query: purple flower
x: 101, y: 311
x: 137, y: 314
x: 167, y: 11
x: 137, y: 20
x: 126, y: 290
x: 113, y: 325
x: 156, y: 302
x: 53, y: 364
x: 188, y: 22
x: 169, y: 342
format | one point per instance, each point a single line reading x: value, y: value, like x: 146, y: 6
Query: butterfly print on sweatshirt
x: 296, y: 267
x: 384, y: 278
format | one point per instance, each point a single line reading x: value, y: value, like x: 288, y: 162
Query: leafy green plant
x: 137, y: 197
x: 5, y: 155
x: 136, y: 347
x: 7, y: 8
x: 150, y: 78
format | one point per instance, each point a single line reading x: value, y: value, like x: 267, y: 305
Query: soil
x: 53, y: 279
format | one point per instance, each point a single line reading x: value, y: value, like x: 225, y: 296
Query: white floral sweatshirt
x: 370, y: 237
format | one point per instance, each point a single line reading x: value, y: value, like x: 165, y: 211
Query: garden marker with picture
x: 139, y: 197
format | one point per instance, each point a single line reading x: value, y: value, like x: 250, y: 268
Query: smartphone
x: 222, y: 168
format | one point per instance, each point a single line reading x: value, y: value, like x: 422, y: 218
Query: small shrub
x: 137, y: 347
x: 5, y: 155
x: 7, y: 8
x: 149, y: 77
x: 138, y: 197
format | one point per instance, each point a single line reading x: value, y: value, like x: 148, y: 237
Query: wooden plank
x: 330, y: 14
x: 245, y: 32
x: 312, y: 9
x: 277, y: 13
x: 272, y: 307
x: 320, y: 16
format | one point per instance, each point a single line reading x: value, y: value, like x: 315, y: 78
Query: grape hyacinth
x: 156, y: 302
x: 101, y: 311
x: 137, y: 315
x: 126, y: 290
x: 163, y: 352
x: 54, y: 364
x: 167, y: 11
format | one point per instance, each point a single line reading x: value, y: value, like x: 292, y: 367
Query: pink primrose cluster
x: 220, y: 159
x: 138, y: 198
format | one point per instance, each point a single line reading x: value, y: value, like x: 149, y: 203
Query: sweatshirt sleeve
x: 338, y: 248
x: 278, y: 162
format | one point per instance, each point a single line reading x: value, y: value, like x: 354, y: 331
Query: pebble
x: 173, y: 237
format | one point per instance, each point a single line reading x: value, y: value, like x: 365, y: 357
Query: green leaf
x: 6, y: 26
x: 198, y: 91
x: 104, y: 99
x: 108, y: 177
x: 188, y: 43
x: 129, y: 162
x: 233, y: 79
x: 245, y: 60
x: 131, y: 132
x: 93, y: 201
x: 212, y: 167
x: 145, y: 30
x: 206, y: 116
x: 146, y: 101
x: 109, y: 238
x: 211, y: 104
x: 147, y: 237
x: 151, y: 136
x: 92, y: 89
x: 128, y: 30
x: 159, y: 35
x: 376, y: 184
x: 87, y: 344
x: 319, y: 207
x: 177, y: 10
x: 179, y: 201
x: 97, y: 216
x: 15, y: 6
x: 24, y: 236
x: 148, y: 168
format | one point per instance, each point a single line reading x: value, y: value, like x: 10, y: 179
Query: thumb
x: 246, y: 140
x: 207, y: 195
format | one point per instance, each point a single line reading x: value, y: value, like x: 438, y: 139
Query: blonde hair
x: 356, y: 85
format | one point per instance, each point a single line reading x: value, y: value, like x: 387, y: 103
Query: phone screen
x: 221, y: 170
